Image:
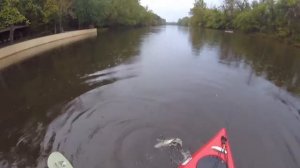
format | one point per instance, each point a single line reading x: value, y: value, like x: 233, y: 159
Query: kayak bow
x: 215, y: 154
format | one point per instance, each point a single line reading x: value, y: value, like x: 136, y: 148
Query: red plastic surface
x: 207, y: 150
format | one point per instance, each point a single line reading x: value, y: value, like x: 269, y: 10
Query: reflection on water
x: 105, y: 102
x: 277, y: 62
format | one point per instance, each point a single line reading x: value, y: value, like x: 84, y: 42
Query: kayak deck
x: 215, y: 154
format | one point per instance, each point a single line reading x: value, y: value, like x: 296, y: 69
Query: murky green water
x: 104, y: 102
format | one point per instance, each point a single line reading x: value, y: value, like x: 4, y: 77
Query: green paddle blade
x: 58, y: 160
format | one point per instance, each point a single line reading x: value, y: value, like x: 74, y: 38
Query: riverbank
x: 287, y: 40
x: 21, y: 51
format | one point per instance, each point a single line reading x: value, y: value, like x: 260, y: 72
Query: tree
x: 198, y: 12
x: 214, y: 19
x: 91, y: 12
x: 9, y: 14
x: 184, y: 21
x: 43, y: 14
x: 279, y: 17
x: 229, y: 11
x: 246, y: 21
x: 288, y: 18
x: 130, y: 13
x: 64, y: 8
x: 243, y: 5
x: 50, y: 13
x: 32, y: 10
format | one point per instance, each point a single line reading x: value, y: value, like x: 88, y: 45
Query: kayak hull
x: 214, y: 148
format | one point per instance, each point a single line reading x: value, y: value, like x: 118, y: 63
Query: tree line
x: 279, y: 17
x: 58, y: 15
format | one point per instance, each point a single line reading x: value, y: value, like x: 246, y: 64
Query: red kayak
x: 215, y: 154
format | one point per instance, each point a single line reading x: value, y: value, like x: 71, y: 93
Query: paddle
x: 58, y: 160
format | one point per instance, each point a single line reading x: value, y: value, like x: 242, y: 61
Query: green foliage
x: 131, y: 13
x: 9, y: 14
x: 64, y: 7
x: 32, y: 10
x: 198, y: 13
x: 252, y: 20
x: 124, y: 12
x: 281, y: 17
x: 43, y: 14
x: 289, y: 16
x: 91, y: 12
x: 214, y: 19
x: 245, y: 21
x: 184, y: 21
x: 50, y: 11
x: 113, y: 13
x: 229, y: 12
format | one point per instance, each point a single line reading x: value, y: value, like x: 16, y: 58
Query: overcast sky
x: 172, y: 10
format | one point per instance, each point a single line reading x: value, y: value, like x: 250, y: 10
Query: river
x: 104, y: 102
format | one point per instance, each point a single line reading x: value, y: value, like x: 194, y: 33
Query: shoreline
x: 19, y: 47
x: 24, y: 50
x: 285, y: 40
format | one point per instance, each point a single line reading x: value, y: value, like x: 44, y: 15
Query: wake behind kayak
x: 215, y: 154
